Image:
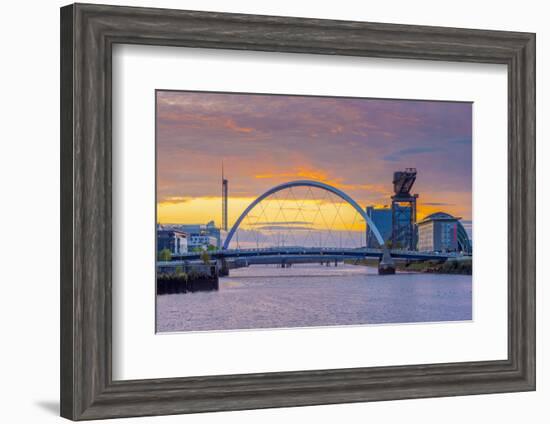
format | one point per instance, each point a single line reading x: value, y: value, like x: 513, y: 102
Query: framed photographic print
x: 263, y: 211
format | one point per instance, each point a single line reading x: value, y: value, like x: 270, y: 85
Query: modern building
x: 200, y: 235
x: 173, y: 240
x: 441, y: 232
x: 201, y: 241
x: 382, y: 218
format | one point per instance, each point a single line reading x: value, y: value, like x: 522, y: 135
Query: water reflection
x: 315, y: 295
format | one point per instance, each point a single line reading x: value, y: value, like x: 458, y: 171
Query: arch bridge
x: 305, y: 183
x: 300, y: 254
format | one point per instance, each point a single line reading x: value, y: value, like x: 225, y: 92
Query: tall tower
x: 224, y: 201
x: 403, y: 206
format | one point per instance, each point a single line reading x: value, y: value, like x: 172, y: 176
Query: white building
x: 438, y: 233
x: 173, y: 240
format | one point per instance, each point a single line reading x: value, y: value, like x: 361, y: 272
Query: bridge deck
x: 317, y: 253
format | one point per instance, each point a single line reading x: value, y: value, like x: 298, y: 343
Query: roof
x: 439, y: 216
x: 171, y: 230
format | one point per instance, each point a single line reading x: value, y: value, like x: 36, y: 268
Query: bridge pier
x: 223, y: 269
x: 386, y: 266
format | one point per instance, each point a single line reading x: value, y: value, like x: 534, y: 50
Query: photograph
x: 295, y: 211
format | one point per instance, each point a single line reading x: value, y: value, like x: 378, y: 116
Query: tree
x: 165, y: 255
x: 205, y: 257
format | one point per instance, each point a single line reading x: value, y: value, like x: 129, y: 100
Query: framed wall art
x: 263, y: 211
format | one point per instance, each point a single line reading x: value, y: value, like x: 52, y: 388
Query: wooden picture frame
x: 88, y: 33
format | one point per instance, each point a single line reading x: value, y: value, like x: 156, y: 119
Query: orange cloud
x: 317, y: 175
x: 198, y: 120
x: 230, y: 124
x: 309, y: 174
x: 173, y: 200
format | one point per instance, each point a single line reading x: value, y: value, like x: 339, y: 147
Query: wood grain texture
x: 88, y: 33
x: 66, y: 212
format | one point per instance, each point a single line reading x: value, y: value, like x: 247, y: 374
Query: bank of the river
x: 181, y: 282
x: 461, y: 266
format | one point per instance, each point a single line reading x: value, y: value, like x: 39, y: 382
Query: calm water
x: 313, y: 295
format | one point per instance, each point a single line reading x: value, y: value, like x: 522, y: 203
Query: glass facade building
x: 382, y: 218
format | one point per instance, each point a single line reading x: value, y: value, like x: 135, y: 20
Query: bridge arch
x: 305, y: 183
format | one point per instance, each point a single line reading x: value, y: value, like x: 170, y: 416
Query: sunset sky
x: 353, y: 144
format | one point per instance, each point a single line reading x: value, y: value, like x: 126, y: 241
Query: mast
x: 224, y: 200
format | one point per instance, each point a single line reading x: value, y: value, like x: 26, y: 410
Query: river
x: 313, y: 295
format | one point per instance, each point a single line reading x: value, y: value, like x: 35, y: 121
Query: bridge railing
x: 296, y: 250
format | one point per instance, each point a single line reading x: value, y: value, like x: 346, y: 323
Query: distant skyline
x: 354, y: 144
